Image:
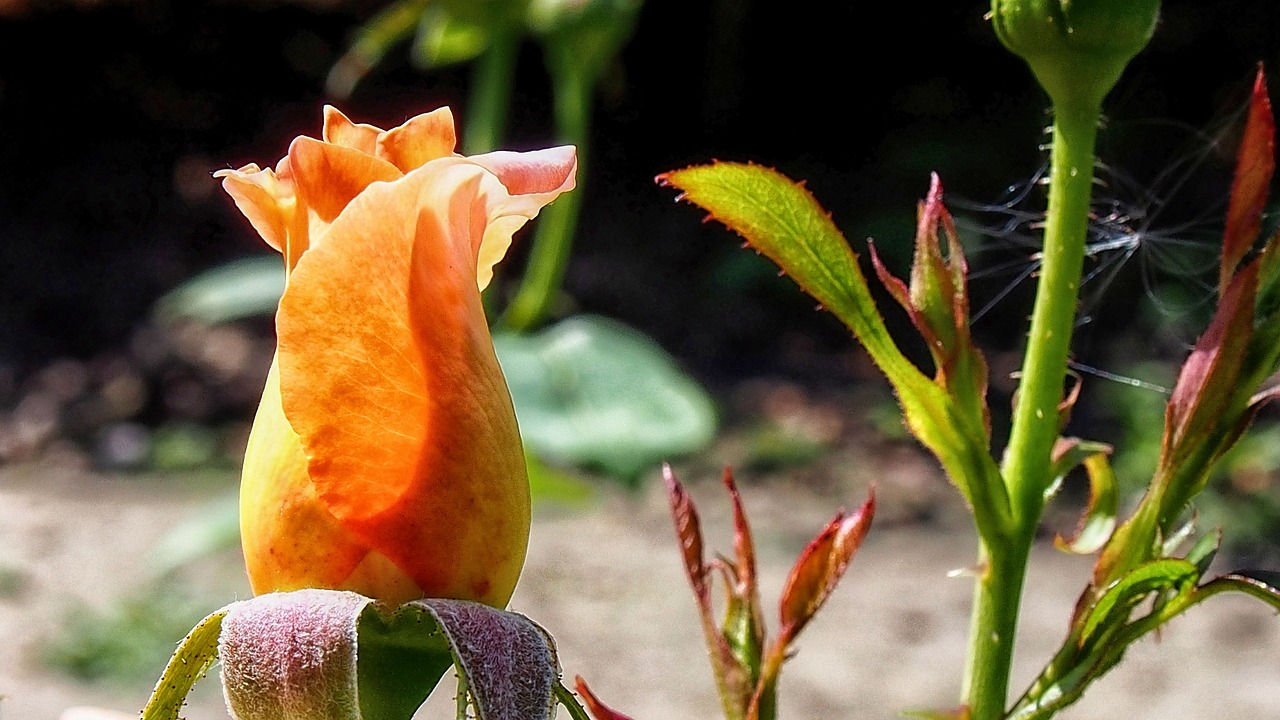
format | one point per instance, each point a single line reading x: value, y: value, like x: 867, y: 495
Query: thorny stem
x: 1026, y: 470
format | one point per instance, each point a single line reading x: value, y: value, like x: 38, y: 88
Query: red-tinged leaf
x: 734, y: 678
x: 689, y: 533
x: 781, y: 219
x: 743, y: 628
x: 933, y: 287
x: 820, y: 567
x: 599, y: 710
x: 1255, y: 165
x: 743, y: 546
x: 899, y: 291
x: 1207, y: 382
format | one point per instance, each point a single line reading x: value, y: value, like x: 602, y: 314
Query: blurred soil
x: 605, y: 579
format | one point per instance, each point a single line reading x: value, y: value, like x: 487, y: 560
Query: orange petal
x: 423, y: 138
x: 531, y: 181
x: 328, y: 177
x: 339, y: 130
x: 264, y: 199
x: 290, y: 540
x: 389, y: 377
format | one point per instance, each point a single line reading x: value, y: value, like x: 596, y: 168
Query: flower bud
x: 1076, y: 48
x: 385, y: 457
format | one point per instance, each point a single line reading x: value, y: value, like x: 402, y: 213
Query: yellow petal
x: 267, y: 202
x: 290, y: 540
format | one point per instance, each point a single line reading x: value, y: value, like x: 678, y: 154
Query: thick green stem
x: 993, y: 627
x: 553, y: 235
x: 1035, y: 415
x: 1026, y: 470
x: 490, y: 97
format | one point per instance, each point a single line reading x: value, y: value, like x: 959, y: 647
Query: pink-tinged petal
x: 264, y: 199
x: 536, y: 172
x: 531, y: 181
x: 388, y: 376
x: 1255, y: 165
x: 429, y: 136
x: 339, y: 130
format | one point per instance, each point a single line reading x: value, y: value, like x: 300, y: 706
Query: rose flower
x: 385, y: 457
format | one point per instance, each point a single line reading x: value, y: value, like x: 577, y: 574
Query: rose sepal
x: 338, y: 655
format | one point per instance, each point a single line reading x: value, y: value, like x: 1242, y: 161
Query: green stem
x: 490, y: 93
x: 553, y: 235
x: 1026, y: 470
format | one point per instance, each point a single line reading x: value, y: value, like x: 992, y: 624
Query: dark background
x: 114, y: 114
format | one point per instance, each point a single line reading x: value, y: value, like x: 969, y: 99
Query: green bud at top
x: 1076, y: 48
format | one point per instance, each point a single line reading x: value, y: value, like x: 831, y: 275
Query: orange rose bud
x: 385, y: 457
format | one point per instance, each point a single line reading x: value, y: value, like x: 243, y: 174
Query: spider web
x: 1152, y: 248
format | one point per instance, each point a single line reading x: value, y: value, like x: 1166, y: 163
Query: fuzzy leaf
x: 337, y: 654
x: 509, y: 661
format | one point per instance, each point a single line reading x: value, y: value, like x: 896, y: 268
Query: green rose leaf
x: 592, y: 391
x: 237, y: 290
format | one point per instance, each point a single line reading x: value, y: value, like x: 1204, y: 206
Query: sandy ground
x: 606, y: 580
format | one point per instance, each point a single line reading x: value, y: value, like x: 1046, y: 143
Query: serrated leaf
x: 782, y: 220
x: 193, y: 658
x: 1207, y: 410
x: 1121, y: 597
x: 1263, y: 585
